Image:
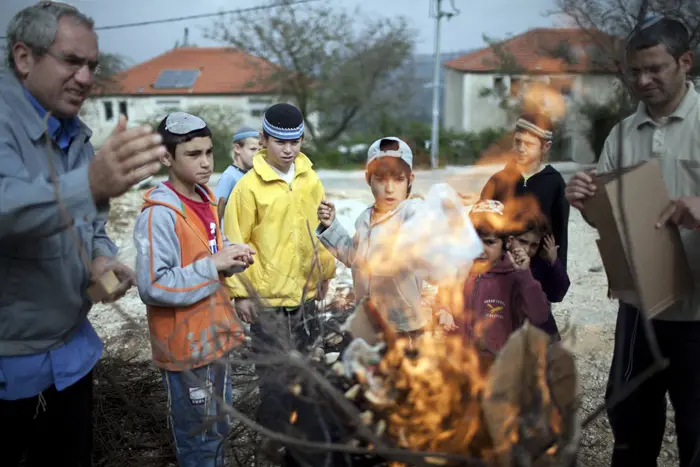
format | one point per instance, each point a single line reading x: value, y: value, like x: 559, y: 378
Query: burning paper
x: 439, y: 241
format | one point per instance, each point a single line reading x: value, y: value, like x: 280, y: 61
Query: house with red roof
x: 564, y: 66
x: 237, y: 84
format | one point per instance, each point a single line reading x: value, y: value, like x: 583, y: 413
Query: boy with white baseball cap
x: 397, y: 294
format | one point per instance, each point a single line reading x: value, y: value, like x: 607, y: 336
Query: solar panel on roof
x: 176, y: 79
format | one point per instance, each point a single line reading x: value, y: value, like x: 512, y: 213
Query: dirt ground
x: 586, y: 313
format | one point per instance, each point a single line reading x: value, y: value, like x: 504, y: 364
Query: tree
x: 221, y: 120
x: 505, y: 64
x: 603, y: 19
x: 324, y: 62
x: 618, y: 18
x: 110, y: 66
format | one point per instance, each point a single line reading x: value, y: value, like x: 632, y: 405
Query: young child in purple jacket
x: 534, y: 236
x: 500, y: 291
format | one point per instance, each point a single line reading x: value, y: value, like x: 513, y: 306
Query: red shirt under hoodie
x: 498, y: 302
x: 203, y: 210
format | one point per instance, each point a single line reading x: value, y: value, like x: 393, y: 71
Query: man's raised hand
x: 126, y: 157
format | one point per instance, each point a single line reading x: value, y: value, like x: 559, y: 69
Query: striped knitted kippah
x: 244, y: 132
x: 538, y: 125
x: 283, y: 121
x: 488, y: 205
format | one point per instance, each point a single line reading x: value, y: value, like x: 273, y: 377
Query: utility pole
x: 435, y: 134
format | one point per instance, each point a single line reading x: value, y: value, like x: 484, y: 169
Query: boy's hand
x: 446, y: 320
x: 243, y: 252
x: 519, y: 258
x: 245, y: 308
x: 326, y: 213
x: 549, y: 249
x: 233, y: 257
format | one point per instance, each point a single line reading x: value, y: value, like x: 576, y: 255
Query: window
x: 516, y: 85
x: 123, y: 109
x: 176, y: 79
x: 109, y: 111
x: 260, y: 100
x: 498, y: 82
x: 563, y: 84
x: 258, y: 105
x: 169, y: 103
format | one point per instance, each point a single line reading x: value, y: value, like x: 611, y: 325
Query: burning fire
x: 438, y: 393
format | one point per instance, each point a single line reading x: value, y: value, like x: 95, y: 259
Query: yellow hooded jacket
x: 278, y: 220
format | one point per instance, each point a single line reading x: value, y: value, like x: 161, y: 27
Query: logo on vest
x: 212, y: 243
x: 494, y: 308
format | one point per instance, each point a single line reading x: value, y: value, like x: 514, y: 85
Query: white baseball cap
x: 404, y: 152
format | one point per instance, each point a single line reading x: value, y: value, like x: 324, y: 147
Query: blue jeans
x: 195, y: 398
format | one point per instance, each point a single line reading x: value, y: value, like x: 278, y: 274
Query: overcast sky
x: 493, y: 17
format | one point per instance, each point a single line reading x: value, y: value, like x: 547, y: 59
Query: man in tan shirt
x: 666, y: 126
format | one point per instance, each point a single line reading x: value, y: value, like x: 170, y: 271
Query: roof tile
x: 540, y: 50
x: 223, y: 70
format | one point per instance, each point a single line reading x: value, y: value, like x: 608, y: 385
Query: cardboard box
x: 654, y: 257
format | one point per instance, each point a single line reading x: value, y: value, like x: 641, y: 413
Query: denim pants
x: 639, y: 421
x: 195, y: 398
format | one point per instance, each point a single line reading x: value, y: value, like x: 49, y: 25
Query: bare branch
x: 322, y: 61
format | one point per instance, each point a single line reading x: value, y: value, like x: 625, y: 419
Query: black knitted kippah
x: 284, y: 121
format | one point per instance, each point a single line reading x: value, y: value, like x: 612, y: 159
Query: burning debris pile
x: 436, y: 394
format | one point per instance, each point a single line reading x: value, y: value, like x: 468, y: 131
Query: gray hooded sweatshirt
x: 397, y: 293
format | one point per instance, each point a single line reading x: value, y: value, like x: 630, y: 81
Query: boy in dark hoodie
x: 527, y: 178
x: 534, y: 236
x: 499, y: 292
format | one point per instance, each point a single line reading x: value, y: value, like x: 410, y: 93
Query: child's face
x: 528, y: 148
x: 389, y: 184
x: 193, y: 162
x: 493, y: 249
x: 281, y: 153
x: 244, y: 152
x: 530, y: 242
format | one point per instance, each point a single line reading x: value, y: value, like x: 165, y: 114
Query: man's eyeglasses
x: 653, y: 71
x: 76, y: 63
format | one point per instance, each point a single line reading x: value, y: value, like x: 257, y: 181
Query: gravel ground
x: 586, y: 312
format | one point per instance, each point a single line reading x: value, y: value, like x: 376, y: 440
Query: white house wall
x: 467, y: 110
x: 245, y: 110
x: 481, y: 112
x: 453, y: 108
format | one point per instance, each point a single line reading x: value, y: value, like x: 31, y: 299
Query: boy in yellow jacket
x: 273, y: 209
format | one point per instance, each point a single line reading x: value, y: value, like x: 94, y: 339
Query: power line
x: 203, y: 15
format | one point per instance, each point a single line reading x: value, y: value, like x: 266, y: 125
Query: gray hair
x: 37, y: 26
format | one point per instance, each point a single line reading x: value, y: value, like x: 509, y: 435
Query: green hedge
x: 455, y: 148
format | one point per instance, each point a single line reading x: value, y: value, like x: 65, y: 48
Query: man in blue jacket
x: 51, y: 250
